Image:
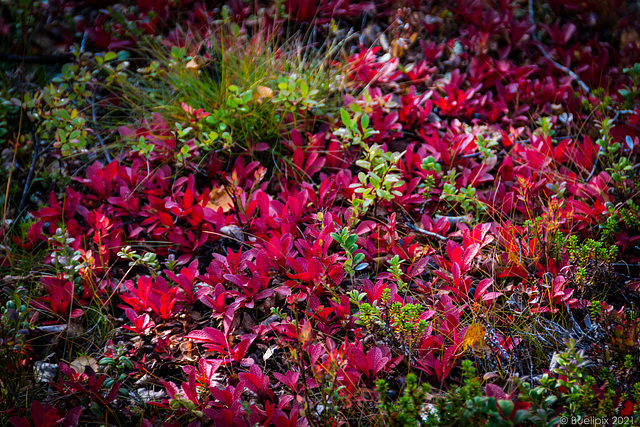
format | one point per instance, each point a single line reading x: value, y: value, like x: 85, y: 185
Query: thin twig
x: 25, y: 191
x: 573, y: 75
x: 93, y: 112
x: 595, y: 164
x: 426, y: 233
x: 236, y: 205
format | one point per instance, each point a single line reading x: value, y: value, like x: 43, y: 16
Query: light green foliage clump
x: 566, y: 393
x: 348, y: 242
x: 380, y: 178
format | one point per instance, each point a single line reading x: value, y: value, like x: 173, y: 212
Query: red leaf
x: 482, y: 287
x: 454, y: 251
x: 165, y: 219
x: 315, y: 270
x: 19, y: 422
x: 188, y: 199
x: 72, y: 419
x: 469, y: 255
x: 336, y: 274
x: 263, y: 202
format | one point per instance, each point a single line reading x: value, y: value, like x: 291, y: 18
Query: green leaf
x: 110, y: 56
x: 521, y: 416
x: 355, y: 108
x: 351, y: 240
x: 363, y: 164
x: 107, y: 361
x: 506, y: 406
x: 344, y: 115
x: 126, y: 362
x: 304, y: 88
x: 549, y: 401
x: 364, y: 122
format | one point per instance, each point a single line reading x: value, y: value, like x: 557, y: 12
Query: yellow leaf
x: 261, y: 93
x: 220, y: 199
x: 474, y: 338
x: 193, y: 64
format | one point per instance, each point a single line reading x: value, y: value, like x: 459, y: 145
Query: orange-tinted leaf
x: 219, y: 198
x: 193, y: 64
x: 261, y: 93
x: 474, y: 338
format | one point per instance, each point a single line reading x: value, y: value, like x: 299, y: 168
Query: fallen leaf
x: 193, y: 64
x: 188, y: 350
x: 219, y: 198
x: 81, y: 362
x: 397, y: 49
x: 628, y: 37
x: 261, y: 93
x: 474, y: 338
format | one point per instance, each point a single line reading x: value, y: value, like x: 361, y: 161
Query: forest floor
x: 404, y: 213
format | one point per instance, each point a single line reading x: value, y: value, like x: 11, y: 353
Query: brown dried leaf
x: 188, y: 351
x: 261, y: 93
x: 629, y: 36
x: 397, y: 49
x: 219, y: 198
x: 193, y: 64
x: 81, y: 362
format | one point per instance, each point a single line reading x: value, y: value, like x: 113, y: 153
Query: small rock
x: 233, y: 231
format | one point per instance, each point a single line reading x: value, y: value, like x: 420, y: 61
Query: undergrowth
x: 289, y: 213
